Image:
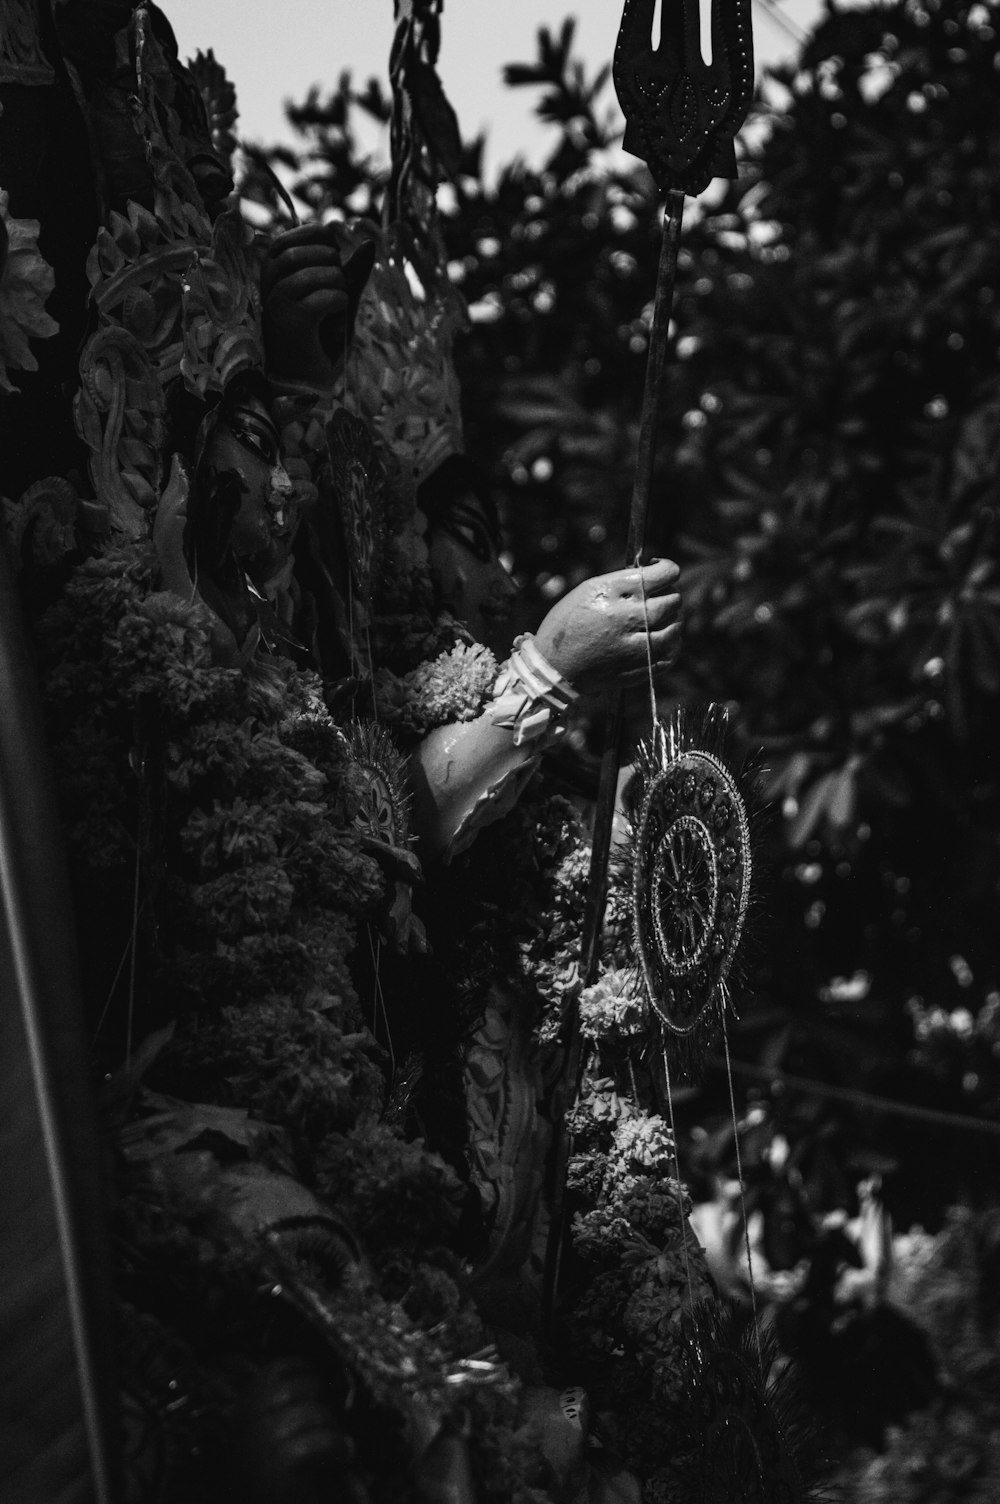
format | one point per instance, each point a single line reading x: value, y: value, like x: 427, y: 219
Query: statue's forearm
x: 468, y: 774
x: 465, y: 776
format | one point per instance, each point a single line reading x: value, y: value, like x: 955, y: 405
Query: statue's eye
x: 474, y: 538
x: 471, y: 530
x: 259, y: 441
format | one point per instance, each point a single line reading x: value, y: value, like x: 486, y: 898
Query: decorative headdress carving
x: 220, y: 309
x: 177, y: 300
x: 26, y: 279
x: 400, y: 376
x: 119, y: 413
x: 22, y: 60
x: 219, y: 98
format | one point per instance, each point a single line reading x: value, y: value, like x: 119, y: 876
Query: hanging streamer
x: 747, y: 1436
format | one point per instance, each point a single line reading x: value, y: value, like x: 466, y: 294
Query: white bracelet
x: 530, y: 695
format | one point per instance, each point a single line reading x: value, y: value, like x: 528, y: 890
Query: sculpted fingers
x: 329, y: 236
x: 300, y: 235
x: 314, y: 288
x: 665, y: 645
x: 650, y: 580
x: 318, y: 267
x: 659, y: 576
x: 659, y: 644
x: 658, y: 611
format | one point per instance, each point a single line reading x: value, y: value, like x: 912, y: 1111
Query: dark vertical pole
x: 56, y: 1313
x: 604, y: 813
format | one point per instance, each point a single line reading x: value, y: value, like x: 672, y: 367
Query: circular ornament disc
x: 384, y: 812
x: 690, y: 884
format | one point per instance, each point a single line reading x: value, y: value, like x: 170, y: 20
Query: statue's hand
x: 311, y: 283
x: 595, y: 637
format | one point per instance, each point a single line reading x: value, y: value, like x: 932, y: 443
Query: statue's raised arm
x: 610, y: 631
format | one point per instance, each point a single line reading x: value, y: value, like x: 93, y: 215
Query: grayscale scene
x: 499, y: 803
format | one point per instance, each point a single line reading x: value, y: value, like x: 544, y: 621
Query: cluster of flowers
x: 210, y: 814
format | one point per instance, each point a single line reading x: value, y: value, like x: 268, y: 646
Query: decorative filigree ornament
x: 41, y: 524
x: 359, y: 483
x: 690, y: 865
x: 748, y: 1440
x: 385, y: 810
x: 22, y: 60
x: 172, y: 120
x: 219, y: 98
x: 120, y: 415
x: 220, y: 312
x: 400, y: 376
x: 682, y: 113
x: 176, y: 298
x: 26, y: 280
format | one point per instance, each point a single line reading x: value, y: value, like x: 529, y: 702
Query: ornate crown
x: 399, y: 376
x: 176, y: 299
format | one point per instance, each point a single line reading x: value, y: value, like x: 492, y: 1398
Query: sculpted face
x: 244, y: 444
x: 469, y: 577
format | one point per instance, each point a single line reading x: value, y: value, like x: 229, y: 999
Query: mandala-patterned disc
x: 384, y: 812
x: 690, y: 873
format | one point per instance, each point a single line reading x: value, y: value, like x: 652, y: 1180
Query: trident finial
x: 682, y: 113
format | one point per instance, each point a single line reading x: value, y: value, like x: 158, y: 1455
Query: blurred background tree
x: 828, y: 478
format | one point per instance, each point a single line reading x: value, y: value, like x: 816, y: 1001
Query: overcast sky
x: 274, y: 52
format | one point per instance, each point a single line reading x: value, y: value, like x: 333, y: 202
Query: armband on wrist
x: 530, y: 697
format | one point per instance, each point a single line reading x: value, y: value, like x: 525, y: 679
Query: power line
x: 886, y: 1105
x: 775, y: 14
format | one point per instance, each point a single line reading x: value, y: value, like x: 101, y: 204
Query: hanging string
x: 866, y: 1100
x: 371, y: 665
x: 689, y: 1285
x: 654, y: 712
x: 139, y: 768
x: 115, y: 980
x: 682, y: 1218
x: 739, y: 1172
x: 375, y: 948
x: 653, y: 707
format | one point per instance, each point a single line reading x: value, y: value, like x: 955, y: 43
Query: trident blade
x: 682, y: 113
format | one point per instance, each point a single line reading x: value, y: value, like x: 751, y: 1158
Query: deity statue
x: 284, y: 703
x: 469, y: 577
x: 225, y: 537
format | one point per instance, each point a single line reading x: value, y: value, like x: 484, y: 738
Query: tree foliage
x: 828, y: 479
